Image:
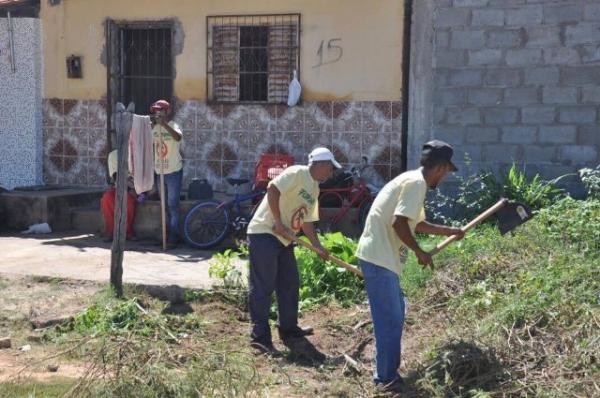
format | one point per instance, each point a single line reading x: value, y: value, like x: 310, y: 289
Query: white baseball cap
x: 322, y: 154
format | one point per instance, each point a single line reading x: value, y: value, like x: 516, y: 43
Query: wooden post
x: 123, y: 120
x: 163, y: 199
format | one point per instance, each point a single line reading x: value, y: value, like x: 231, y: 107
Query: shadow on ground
x: 303, y: 352
x: 82, y: 242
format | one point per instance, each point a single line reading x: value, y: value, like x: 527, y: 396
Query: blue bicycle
x: 208, y: 223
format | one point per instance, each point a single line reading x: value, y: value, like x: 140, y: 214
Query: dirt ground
x: 28, y: 300
x: 313, y: 366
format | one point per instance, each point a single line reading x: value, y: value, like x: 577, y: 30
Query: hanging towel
x: 141, y: 160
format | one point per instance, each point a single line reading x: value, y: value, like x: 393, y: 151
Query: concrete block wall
x: 518, y: 81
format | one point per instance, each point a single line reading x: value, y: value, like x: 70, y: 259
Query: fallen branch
x: 352, y: 363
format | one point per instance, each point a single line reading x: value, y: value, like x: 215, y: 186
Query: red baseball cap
x: 160, y: 104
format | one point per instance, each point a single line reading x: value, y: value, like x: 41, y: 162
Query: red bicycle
x: 358, y: 195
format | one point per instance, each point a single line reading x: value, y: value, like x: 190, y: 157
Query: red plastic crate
x: 270, y: 166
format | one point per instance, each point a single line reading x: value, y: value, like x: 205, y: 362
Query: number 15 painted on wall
x: 334, y: 50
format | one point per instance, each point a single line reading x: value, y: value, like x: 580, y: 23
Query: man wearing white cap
x: 291, y: 205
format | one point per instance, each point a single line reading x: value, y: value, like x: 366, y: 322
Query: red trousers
x: 107, y: 203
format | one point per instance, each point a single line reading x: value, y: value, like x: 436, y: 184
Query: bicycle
x: 359, y: 195
x: 208, y: 223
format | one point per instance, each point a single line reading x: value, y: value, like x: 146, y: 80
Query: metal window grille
x: 147, y: 67
x: 141, y: 65
x: 251, y: 58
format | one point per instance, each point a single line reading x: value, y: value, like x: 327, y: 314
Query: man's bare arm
x: 402, y: 229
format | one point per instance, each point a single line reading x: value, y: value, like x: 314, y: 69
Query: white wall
x: 21, y: 160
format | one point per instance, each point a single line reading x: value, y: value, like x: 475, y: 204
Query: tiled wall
x: 75, y: 142
x: 226, y: 140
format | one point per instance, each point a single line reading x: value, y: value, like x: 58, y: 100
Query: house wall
x: 352, y: 105
x: 509, y: 81
x: 20, y: 105
x: 370, y: 33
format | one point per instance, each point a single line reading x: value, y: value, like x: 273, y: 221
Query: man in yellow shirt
x: 396, y: 214
x: 168, y: 161
x: 291, y: 205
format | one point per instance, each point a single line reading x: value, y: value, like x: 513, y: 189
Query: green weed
x: 35, y: 389
x: 574, y: 223
x: 323, y: 281
x: 591, y: 180
x: 477, y: 192
x: 223, y: 267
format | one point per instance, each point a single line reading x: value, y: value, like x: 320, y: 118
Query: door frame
x: 113, y: 44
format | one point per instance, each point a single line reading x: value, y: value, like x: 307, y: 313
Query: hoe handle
x: 483, y: 216
x: 331, y: 258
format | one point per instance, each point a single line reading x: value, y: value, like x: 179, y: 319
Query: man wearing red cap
x: 168, y: 161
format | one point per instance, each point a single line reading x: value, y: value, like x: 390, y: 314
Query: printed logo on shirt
x: 307, y: 197
x: 298, y: 218
x: 164, y: 150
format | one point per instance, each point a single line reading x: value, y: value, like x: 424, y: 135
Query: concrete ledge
x: 79, y: 209
x: 147, y: 220
x: 22, y: 208
x: 147, y: 223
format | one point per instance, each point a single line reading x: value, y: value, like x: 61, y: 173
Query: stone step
x: 87, y: 220
x: 48, y: 204
x: 147, y: 224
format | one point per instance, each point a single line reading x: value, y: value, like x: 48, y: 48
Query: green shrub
x: 473, y: 196
x: 574, y: 223
x: 591, y: 181
x: 323, y: 281
x: 223, y: 267
x: 478, y: 192
x: 534, y: 192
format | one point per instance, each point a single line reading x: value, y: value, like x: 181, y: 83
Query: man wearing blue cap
x: 396, y: 214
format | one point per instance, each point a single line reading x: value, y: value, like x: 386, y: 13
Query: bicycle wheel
x: 240, y: 219
x: 206, y: 225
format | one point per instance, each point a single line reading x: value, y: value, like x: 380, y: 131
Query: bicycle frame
x: 356, y: 195
x: 238, y: 199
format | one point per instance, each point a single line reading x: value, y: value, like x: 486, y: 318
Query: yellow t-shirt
x: 298, y: 203
x: 113, y: 163
x: 170, y: 153
x: 403, y: 196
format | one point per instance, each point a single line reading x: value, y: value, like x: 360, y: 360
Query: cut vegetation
x: 509, y: 316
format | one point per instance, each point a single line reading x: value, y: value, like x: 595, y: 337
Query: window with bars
x: 251, y: 58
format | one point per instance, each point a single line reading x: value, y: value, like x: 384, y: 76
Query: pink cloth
x: 141, y: 160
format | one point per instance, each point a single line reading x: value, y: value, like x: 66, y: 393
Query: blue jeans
x: 273, y: 268
x: 172, y: 192
x: 386, y: 300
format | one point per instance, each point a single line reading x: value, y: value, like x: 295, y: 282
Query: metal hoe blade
x: 511, y: 215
